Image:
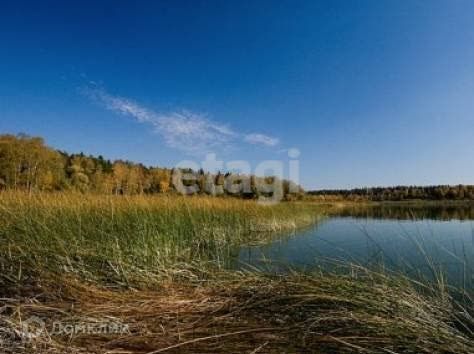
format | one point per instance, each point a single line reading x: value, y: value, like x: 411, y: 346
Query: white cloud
x: 192, y: 132
x: 256, y: 138
x: 122, y: 105
x: 184, y: 130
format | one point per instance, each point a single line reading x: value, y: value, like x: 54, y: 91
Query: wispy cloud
x: 256, y: 138
x: 123, y: 106
x: 192, y: 132
x: 187, y: 131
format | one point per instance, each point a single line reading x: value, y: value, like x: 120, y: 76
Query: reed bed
x: 126, y: 240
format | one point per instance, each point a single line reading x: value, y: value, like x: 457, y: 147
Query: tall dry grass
x: 245, y: 313
x: 130, y: 239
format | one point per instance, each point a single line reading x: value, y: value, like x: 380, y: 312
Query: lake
x: 417, y: 240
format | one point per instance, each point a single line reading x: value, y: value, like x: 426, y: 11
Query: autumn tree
x: 27, y: 163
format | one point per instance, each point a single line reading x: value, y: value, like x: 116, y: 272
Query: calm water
x: 412, y: 240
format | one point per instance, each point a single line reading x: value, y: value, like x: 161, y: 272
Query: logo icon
x: 32, y: 328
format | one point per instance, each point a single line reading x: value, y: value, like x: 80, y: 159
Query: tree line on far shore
x: 398, y: 193
x: 27, y: 163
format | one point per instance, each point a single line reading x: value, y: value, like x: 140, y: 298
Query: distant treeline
x: 27, y: 163
x: 399, y: 193
x: 417, y: 211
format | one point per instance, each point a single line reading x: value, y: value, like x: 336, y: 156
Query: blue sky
x: 370, y: 92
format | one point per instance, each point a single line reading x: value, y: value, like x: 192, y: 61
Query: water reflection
x: 411, y: 212
x: 421, y: 242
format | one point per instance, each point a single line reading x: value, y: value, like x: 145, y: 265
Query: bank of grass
x: 157, y: 265
x: 128, y: 239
